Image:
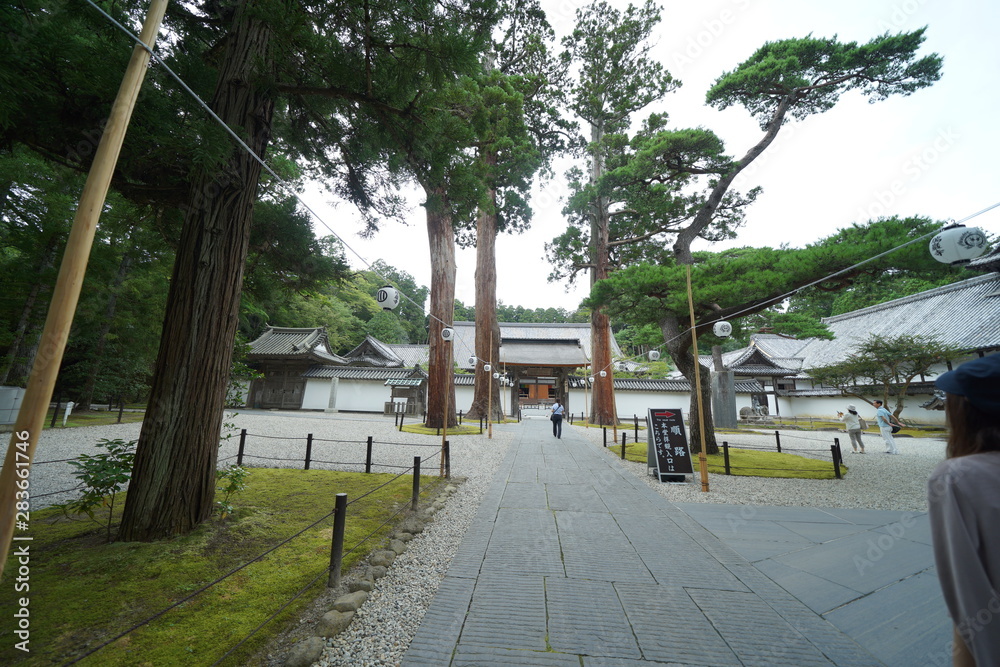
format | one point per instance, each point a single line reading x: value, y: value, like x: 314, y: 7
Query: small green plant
x: 103, y: 476
x: 233, y: 481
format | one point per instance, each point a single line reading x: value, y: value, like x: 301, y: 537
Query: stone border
x: 361, y: 581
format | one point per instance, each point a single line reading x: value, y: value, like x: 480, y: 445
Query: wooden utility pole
x: 702, y: 461
x: 14, y: 479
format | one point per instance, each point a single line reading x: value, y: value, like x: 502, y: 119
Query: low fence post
x: 836, y: 463
x: 243, y: 442
x: 309, y: 449
x: 368, y: 455
x: 777, y: 439
x: 401, y: 420
x: 635, y: 419
x: 337, y: 548
x: 725, y: 456
x: 460, y: 418
x: 415, y: 499
x: 480, y: 426
x: 121, y: 408
x: 624, y: 437
x: 605, y: 431
x: 447, y: 460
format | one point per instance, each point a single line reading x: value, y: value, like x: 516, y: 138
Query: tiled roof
x: 286, y: 342
x: 373, y: 352
x: 523, y: 335
x: 357, y: 373
x: 673, y: 385
x: 965, y: 314
x: 411, y: 354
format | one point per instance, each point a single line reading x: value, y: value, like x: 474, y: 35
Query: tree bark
x: 602, y: 400
x: 679, y: 346
x: 487, y: 327
x: 173, y: 478
x: 441, y: 377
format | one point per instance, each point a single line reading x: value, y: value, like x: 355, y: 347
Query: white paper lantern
x: 722, y: 329
x: 496, y: 376
x: 387, y: 297
x: 591, y: 379
x: 958, y: 244
x: 472, y: 360
x: 603, y: 374
x: 447, y: 334
x: 654, y: 355
x: 487, y: 367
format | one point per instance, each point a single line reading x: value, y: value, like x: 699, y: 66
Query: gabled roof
x: 411, y: 354
x: 532, y: 344
x: 768, y: 354
x: 294, y: 343
x: 375, y: 353
x: 965, y: 314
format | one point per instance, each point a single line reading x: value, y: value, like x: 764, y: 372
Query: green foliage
x: 233, y: 481
x: 103, y: 476
x: 886, y: 366
x: 811, y: 74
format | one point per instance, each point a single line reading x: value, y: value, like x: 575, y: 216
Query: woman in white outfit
x: 852, y: 421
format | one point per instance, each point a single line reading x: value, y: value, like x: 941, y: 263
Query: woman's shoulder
x: 973, y: 466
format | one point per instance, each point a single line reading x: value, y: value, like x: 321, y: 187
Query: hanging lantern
x: 958, y: 244
x: 622, y: 366
x: 387, y: 297
x: 603, y: 374
x: 487, y: 367
x: 496, y: 376
x: 472, y: 360
x: 722, y: 329
x: 654, y: 355
x: 447, y: 334
x: 591, y: 379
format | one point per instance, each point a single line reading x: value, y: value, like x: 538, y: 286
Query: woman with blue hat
x: 964, y: 507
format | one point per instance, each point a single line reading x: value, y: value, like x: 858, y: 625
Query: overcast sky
x: 932, y: 153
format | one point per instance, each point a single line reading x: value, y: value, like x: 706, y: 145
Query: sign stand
x: 668, y: 450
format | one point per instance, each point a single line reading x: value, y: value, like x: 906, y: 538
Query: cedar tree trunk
x: 487, y: 327
x: 441, y: 377
x: 173, y: 479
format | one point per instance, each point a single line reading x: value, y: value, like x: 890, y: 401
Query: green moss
x: 463, y: 429
x: 749, y: 463
x: 85, y: 591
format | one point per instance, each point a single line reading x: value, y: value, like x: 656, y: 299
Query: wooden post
x: 702, y: 460
x: 337, y: 545
x: 447, y: 394
x: 66, y: 294
x: 489, y: 396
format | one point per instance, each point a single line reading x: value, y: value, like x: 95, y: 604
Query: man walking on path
x: 885, y: 421
x: 557, y: 417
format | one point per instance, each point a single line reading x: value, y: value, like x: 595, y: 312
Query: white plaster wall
x: 352, y: 395
x: 463, y: 398
x: 317, y: 394
x: 827, y: 407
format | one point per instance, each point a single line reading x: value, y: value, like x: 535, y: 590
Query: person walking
x: 963, y: 500
x: 853, y: 423
x: 557, y: 417
x: 885, y: 422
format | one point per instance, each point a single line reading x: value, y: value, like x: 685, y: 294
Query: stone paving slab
x: 572, y: 560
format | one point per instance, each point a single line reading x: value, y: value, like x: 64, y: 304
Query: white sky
x: 931, y: 154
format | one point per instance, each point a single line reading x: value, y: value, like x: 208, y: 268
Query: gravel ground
x: 875, y: 480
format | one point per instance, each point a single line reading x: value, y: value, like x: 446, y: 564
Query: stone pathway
x: 572, y: 560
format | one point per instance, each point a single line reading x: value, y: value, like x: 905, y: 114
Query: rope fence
x: 337, y: 551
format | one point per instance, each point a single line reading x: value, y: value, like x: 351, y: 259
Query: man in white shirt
x: 885, y: 420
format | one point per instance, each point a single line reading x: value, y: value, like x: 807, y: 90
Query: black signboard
x: 669, y: 444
